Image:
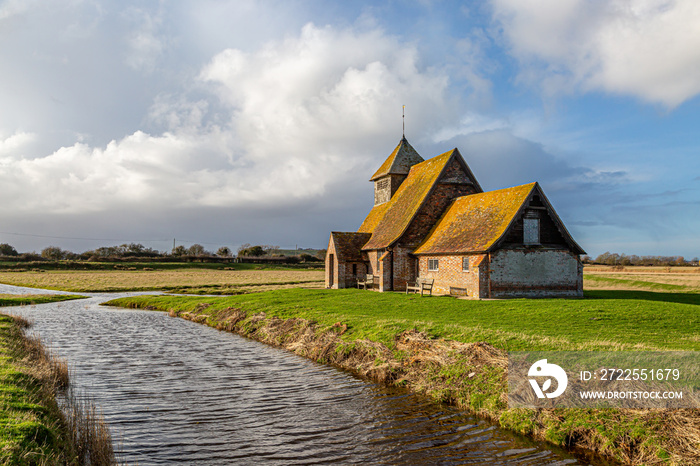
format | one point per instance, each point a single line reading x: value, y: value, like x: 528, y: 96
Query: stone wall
x: 535, y: 273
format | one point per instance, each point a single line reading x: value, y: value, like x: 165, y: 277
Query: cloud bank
x: 649, y: 49
x: 279, y: 124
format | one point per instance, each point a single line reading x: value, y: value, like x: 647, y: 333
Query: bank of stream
x: 176, y: 392
x: 470, y: 376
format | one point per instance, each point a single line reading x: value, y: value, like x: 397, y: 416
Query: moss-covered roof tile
x: 373, y: 218
x: 474, y: 223
x: 404, y: 205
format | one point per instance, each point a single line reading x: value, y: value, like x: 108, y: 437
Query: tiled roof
x: 399, y: 162
x: 405, y: 203
x: 348, y: 245
x: 373, y: 218
x: 474, y: 223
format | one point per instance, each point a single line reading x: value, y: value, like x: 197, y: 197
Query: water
x: 173, y: 391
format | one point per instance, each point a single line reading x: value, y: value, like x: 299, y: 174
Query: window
x: 531, y: 231
x: 465, y: 264
x: 354, y: 269
x: 432, y: 265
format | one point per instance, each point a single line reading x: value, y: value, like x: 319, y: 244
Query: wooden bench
x: 422, y: 284
x: 368, y: 281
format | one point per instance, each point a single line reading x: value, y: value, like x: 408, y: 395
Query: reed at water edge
x: 47, y: 422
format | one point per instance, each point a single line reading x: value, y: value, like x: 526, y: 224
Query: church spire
x: 399, y: 162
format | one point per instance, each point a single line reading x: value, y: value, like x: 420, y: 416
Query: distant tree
x: 179, y: 251
x: 223, y: 251
x: 321, y: 254
x: 251, y: 251
x: 53, y: 253
x: 7, y: 250
x: 270, y: 250
x: 196, y: 250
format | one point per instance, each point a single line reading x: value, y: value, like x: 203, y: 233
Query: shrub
x: 53, y: 253
x: 7, y: 250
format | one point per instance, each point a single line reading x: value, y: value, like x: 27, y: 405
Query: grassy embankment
x: 234, y: 279
x: 427, y: 346
x: 35, y: 431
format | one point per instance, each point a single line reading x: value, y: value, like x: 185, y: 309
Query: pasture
x: 183, y: 280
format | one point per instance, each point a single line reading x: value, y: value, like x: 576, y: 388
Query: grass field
x: 183, y: 280
x: 608, y: 320
x: 31, y: 299
x: 678, y: 279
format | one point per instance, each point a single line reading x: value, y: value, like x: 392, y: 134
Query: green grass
x: 604, y: 320
x: 643, y: 284
x: 32, y: 429
x: 26, y: 300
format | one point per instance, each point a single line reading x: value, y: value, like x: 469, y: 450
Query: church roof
x: 476, y: 223
x: 399, y: 162
x: 387, y: 224
x: 373, y: 218
x: 348, y: 245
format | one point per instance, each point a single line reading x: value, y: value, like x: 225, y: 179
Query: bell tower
x: 393, y: 171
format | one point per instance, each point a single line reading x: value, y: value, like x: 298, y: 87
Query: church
x: 432, y: 220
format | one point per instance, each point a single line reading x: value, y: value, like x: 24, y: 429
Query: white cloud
x: 284, y: 123
x: 145, y: 42
x: 645, y: 48
x: 12, y: 145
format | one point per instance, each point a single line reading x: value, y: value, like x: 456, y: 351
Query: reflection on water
x: 177, y: 392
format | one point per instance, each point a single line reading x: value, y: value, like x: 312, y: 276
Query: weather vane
x: 403, y: 118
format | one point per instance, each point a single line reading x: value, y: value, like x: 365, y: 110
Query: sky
x: 229, y: 122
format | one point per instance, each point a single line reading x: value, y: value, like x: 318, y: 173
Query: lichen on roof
x: 474, y: 223
x: 373, y: 218
x: 399, y: 162
x: 406, y: 202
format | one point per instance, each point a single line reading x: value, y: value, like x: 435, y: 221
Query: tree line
x: 609, y: 258
x: 139, y: 251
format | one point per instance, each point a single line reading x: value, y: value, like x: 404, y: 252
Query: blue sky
x: 230, y: 122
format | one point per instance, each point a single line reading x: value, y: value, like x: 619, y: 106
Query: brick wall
x: 512, y: 273
x: 535, y: 273
x: 450, y: 274
x: 331, y: 269
x: 405, y: 267
x: 344, y: 274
